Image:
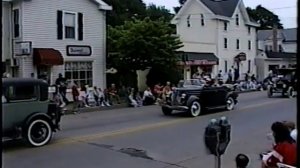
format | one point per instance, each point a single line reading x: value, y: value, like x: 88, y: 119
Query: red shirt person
x: 285, y: 150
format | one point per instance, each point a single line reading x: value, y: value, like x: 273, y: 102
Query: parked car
x: 196, y: 96
x: 27, y: 112
x: 284, y: 82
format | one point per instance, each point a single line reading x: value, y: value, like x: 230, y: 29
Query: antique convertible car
x: 27, y: 112
x: 196, y: 96
x: 284, y: 82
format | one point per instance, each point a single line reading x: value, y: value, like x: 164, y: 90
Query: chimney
x: 275, y: 42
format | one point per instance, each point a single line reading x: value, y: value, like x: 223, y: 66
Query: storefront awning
x: 47, y: 56
x: 194, y: 58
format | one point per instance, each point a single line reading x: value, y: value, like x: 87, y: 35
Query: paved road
x: 143, y: 137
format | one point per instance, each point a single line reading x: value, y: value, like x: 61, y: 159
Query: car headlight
x: 183, y: 95
x: 284, y: 85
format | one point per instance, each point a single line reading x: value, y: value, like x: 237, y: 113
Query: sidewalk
x: 115, y: 106
x: 94, y: 108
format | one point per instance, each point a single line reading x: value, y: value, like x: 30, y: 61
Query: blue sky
x: 285, y: 9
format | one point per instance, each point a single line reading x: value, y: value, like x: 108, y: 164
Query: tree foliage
x: 141, y: 44
x: 158, y: 12
x: 264, y: 17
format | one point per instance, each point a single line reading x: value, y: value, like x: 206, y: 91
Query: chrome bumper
x: 179, y: 108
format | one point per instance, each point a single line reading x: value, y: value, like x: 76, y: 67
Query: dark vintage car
x: 284, y: 83
x: 27, y: 112
x: 195, y: 96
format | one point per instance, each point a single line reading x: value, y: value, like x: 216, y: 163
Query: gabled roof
x: 102, y: 5
x: 288, y: 35
x: 222, y: 8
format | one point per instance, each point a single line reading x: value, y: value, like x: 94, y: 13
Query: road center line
x: 147, y: 126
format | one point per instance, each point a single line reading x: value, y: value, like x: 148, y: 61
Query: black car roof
x: 22, y: 81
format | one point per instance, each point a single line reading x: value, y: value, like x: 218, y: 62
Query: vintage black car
x: 196, y: 96
x: 284, y: 82
x: 27, y: 112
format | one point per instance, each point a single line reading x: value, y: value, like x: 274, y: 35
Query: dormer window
x: 237, y: 19
x: 188, y: 21
x: 202, y: 19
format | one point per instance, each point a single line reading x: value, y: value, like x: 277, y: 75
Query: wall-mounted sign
x: 23, y: 48
x: 79, y: 50
x: 198, y: 62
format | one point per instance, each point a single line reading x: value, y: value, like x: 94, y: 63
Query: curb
x: 96, y: 108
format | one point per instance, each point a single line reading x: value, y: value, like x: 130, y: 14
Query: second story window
x: 237, y: 44
x: 16, y: 22
x: 280, y: 49
x: 225, y: 43
x: 69, y: 25
x: 249, y: 30
x: 202, y: 19
x: 249, y: 44
x: 225, y: 26
x: 237, y: 19
x: 188, y: 22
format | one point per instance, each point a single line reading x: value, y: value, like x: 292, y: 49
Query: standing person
x: 61, y: 83
x: 83, y: 96
x: 236, y: 74
x: 113, y: 93
x: 158, y: 90
x: 220, y: 76
x: 75, y: 94
x: 230, y: 76
x: 107, y: 101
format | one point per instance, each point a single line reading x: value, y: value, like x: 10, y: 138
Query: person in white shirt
x: 148, y: 98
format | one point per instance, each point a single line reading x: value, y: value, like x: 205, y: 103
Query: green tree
x: 177, y: 8
x: 264, y: 17
x: 124, y: 10
x: 158, y: 12
x: 139, y: 44
x: 142, y: 44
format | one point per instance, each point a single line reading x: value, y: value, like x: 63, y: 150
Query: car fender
x: 35, y: 116
x: 191, y: 99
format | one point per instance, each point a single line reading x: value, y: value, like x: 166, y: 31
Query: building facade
x: 276, y: 48
x: 217, y: 35
x: 44, y: 38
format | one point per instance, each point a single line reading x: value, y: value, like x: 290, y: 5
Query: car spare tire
x: 38, y: 132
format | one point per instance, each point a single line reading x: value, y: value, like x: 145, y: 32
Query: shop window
x: 79, y: 72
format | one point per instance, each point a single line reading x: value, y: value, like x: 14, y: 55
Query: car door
x: 208, y: 96
x: 22, y: 101
x: 221, y: 95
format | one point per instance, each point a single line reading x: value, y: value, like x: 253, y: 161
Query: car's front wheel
x: 38, y: 132
x: 291, y: 92
x: 166, y: 111
x: 195, y: 109
x: 229, y: 104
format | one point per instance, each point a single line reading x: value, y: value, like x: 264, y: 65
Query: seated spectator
x: 167, y: 92
x: 96, y: 95
x: 91, y: 98
x: 83, y: 97
x: 133, y: 101
x: 241, y: 161
x: 148, y: 98
x: 75, y: 94
x: 157, y: 91
x: 284, y: 151
x: 113, y: 94
x: 105, y: 100
x: 292, y: 128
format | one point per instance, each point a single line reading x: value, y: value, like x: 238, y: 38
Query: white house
x: 276, y: 48
x: 216, y: 36
x: 42, y: 38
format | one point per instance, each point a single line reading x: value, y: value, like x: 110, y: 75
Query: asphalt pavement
x: 145, y: 138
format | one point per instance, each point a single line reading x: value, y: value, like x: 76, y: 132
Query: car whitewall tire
x: 291, y: 92
x: 39, y: 132
x: 195, y: 109
x: 229, y: 103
